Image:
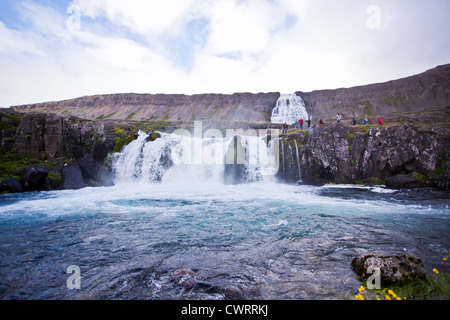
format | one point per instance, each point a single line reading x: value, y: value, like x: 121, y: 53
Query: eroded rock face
x: 393, y: 269
x: 83, y: 144
x: 412, y: 94
x: 238, y: 107
x: 340, y: 153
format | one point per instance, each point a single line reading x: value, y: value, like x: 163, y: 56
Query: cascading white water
x: 298, y: 162
x: 289, y: 109
x: 174, y: 158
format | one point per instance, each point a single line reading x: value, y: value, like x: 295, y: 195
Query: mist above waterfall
x: 289, y: 109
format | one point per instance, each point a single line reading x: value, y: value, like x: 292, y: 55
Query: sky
x: 54, y: 50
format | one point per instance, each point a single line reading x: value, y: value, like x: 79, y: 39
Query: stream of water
x: 258, y: 240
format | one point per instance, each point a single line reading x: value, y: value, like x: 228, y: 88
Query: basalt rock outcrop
x: 403, y: 156
x: 70, y: 153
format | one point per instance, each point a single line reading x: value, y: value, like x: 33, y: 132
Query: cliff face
x: 417, y: 95
x: 361, y: 154
x: 423, y: 97
x: 60, y: 153
x: 239, y: 107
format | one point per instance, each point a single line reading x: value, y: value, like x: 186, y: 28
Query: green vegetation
x: 13, y: 165
x: 130, y: 116
x: 118, y: 131
x: 395, y: 101
x: 440, y: 168
x: 9, y: 121
x: 122, y: 139
x: 421, y: 177
x: 430, y: 288
x: 55, y: 176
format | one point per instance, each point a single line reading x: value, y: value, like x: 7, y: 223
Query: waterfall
x: 283, y: 160
x: 289, y: 108
x: 298, y: 162
x: 174, y: 158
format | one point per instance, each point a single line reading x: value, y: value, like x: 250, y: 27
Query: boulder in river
x: 393, y: 269
x: 10, y: 186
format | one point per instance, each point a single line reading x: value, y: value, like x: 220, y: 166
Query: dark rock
x: 91, y: 169
x: 233, y: 293
x: 35, y: 178
x: 72, y: 177
x: 402, y: 181
x: 94, y: 174
x: 184, y: 277
x: 393, y: 269
x: 11, y: 186
x: 54, y: 178
x: 234, y: 164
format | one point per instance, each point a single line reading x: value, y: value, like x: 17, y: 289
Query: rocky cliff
x: 423, y: 97
x: 397, y: 155
x: 236, y: 108
x: 45, y: 151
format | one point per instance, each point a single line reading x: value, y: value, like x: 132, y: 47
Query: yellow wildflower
x: 435, y: 271
x: 361, y: 289
x: 392, y: 293
x: 398, y: 298
x: 388, y: 298
x: 445, y: 259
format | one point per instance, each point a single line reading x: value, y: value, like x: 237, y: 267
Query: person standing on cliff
x: 285, y: 128
x: 365, y: 121
x: 321, y: 122
x: 301, y: 123
x: 309, y: 122
x: 338, y: 117
x: 380, y: 121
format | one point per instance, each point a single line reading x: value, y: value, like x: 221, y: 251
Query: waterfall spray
x: 182, y: 157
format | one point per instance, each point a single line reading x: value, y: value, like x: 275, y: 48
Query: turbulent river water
x: 257, y: 240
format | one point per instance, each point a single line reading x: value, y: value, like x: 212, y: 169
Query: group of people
x: 365, y: 121
x: 301, y: 123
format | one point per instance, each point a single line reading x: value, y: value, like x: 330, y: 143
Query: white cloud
x: 15, y: 42
x: 140, y: 16
x: 202, y: 46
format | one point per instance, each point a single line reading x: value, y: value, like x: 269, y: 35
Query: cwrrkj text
x: 230, y: 309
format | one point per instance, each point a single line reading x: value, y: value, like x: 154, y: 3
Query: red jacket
x: 301, y: 121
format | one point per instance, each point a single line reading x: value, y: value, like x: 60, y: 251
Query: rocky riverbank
x: 398, y: 155
x: 41, y: 152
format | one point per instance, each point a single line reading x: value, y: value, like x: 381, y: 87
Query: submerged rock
x: 393, y: 269
x: 184, y: 277
x: 403, y: 181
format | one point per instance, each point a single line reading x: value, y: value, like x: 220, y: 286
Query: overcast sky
x: 53, y: 50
